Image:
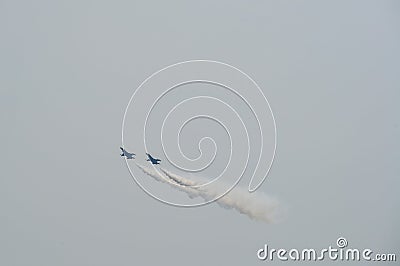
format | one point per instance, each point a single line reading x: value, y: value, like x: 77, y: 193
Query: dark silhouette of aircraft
x: 128, y: 155
x: 153, y: 160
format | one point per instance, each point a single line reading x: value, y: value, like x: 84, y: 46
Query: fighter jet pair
x: 129, y: 155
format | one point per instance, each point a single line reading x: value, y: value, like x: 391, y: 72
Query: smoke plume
x: 255, y: 205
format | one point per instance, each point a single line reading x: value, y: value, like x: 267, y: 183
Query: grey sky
x: 330, y: 70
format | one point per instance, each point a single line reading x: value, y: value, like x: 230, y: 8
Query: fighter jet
x: 152, y: 160
x: 128, y: 155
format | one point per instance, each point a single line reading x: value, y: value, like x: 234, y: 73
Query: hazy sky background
x: 330, y: 70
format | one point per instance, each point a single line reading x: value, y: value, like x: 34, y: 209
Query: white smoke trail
x: 192, y: 193
x: 256, y: 206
